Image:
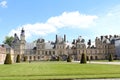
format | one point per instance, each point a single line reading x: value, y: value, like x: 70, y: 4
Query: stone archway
x: 38, y: 57
x: 30, y: 57
x: 91, y: 57
x: 34, y: 58
x: 96, y: 58
x: 87, y: 58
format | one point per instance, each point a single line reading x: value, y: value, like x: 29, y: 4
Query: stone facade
x: 19, y: 45
x: 2, y: 54
x: 9, y: 50
x: 42, y: 50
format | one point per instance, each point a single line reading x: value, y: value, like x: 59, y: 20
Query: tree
x: 8, y: 59
x: 110, y: 57
x: 69, y: 58
x: 18, y: 59
x: 8, y: 40
x: 83, y: 58
x: 58, y: 58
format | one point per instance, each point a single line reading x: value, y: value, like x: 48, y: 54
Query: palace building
x: 42, y: 50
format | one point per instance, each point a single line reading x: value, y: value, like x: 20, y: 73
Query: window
x: 38, y: 47
x: 49, y: 52
x: 30, y: 57
x: 82, y: 46
x: 96, y: 57
x: 91, y: 51
x: 38, y: 52
x: 38, y: 57
x: 95, y: 51
x: 105, y: 46
x: 42, y: 46
x: 42, y: 52
x: 53, y: 52
x: 34, y: 58
x: 45, y: 52
x: 83, y: 51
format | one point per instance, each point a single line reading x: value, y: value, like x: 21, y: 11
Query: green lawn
x: 57, y: 70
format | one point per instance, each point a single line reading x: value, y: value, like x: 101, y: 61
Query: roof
x: 30, y: 45
x: 49, y: 45
x: 5, y: 45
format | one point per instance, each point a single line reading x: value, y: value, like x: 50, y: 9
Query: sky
x: 46, y: 18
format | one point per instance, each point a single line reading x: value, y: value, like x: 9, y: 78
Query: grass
x: 57, y: 70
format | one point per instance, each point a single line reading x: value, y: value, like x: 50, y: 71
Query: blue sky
x: 46, y: 18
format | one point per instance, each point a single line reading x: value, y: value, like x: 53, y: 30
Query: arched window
x: 38, y: 57
x: 34, y: 57
x: 49, y: 52
x: 45, y: 52
x: 96, y: 58
x: 91, y: 57
x: 30, y: 57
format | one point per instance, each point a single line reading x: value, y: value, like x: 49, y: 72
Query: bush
x: 69, y: 58
x: 18, y: 59
x: 110, y: 57
x: 8, y: 59
x: 83, y: 58
x: 58, y: 58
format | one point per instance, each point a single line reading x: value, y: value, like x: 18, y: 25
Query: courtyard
x: 58, y: 70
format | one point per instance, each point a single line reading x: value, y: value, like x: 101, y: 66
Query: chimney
x: 56, y: 39
x: 115, y: 36
x: 64, y: 38
x: 3, y: 45
x: 106, y: 37
x: 101, y: 37
x: 110, y: 36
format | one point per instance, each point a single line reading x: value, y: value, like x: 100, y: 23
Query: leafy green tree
x: 110, y: 57
x: 69, y: 58
x: 83, y: 59
x: 8, y: 59
x: 18, y: 59
x: 8, y: 40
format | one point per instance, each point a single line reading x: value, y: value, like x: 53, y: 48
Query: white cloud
x: 107, y: 24
x: 110, y: 22
x: 66, y: 19
x: 72, y: 19
x: 3, y: 4
x: 34, y: 29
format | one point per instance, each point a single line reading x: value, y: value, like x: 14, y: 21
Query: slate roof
x: 30, y: 45
x: 5, y: 45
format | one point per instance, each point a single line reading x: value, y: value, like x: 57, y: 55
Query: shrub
x: 58, y: 58
x: 83, y: 58
x: 69, y: 58
x: 18, y: 59
x: 110, y: 57
x: 8, y: 59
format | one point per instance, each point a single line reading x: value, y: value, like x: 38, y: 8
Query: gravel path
x: 114, y: 63
x: 96, y: 79
x: 94, y: 62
